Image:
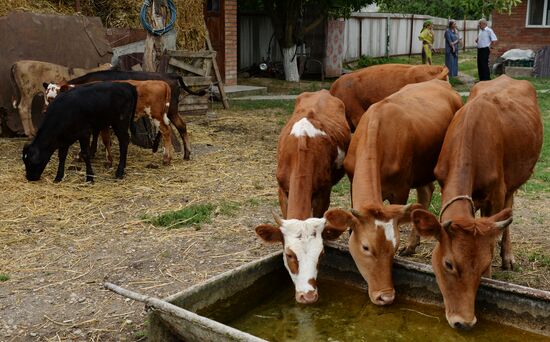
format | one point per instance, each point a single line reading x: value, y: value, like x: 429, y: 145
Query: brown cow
x: 153, y: 101
x: 394, y: 149
x: 490, y: 150
x: 363, y: 88
x: 27, y: 79
x: 311, y: 151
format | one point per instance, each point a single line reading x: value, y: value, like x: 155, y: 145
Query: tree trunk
x: 290, y: 64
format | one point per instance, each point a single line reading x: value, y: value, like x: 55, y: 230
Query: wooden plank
x: 217, y: 71
x: 185, y: 66
x: 191, y: 54
x: 197, y: 80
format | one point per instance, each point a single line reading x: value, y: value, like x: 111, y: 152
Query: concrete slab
x: 267, y: 97
x: 241, y: 90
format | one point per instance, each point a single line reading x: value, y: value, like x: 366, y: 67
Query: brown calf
x: 490, y: 150
x: 310, y: 155
x: 363, y: 88
x: 394, y: 149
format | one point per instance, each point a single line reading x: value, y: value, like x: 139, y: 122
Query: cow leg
x: 123, y: 141
x: 26, y: 117
x: 424, y: 197
x: 85, y: 154
x: 106, y: 138
x: 321, y: 202
x: 166, y: 133
x: 63, y: 150
x: 283, y: 201
x: 182, y: 129
x: 354, y: 112
x: 506, y: 253
x: 93, y: 145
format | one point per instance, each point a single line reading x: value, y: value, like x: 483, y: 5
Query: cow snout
x: 307, y: 297
x: 384, y: 297
x: 458, y: 322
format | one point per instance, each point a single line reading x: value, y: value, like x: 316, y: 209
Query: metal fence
x: 387, y: 34
x: 372, y: 34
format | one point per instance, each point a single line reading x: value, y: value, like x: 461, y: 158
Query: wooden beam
x: 216, y: 71
x: 197, y: 80
x: 185, y: 66
x: 191, y: 54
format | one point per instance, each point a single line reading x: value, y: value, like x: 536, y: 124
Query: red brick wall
x: 512, y: 33
x: 230, y: 42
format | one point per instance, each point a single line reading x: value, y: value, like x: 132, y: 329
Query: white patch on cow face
x: 305, y: 128
x: 147, y: 110
x: 166, y: 120
x: 51, y: 93
x: 156, y: 123
x: 340, y: 158
x: 304, y: 238
x: 388, y: 230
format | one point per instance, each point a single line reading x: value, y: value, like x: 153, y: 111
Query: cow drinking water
x: 310, y: 153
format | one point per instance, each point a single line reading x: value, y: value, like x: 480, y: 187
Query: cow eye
x: 365, y: 248
x: 448, y: 265
x: 290, y: 256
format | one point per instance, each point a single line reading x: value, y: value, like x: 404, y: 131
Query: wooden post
x: 411, y: 38
x: 77, y: 6
x: 216, y: 71
x: 153, y: 44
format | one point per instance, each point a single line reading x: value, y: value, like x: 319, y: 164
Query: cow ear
x: 337, y: 221
x: 406, y: 212
x: 269, y: 233
x: 426, y: 224
x: 45, y: 85
x: 63, y: 88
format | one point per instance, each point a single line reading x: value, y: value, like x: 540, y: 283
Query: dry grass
x: 122, y: 13
x: 59, y: 242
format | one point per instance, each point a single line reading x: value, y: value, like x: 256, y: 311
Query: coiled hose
x: 148, y: 27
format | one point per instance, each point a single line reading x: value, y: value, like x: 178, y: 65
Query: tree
x: 457, y: 9
x: 287, y: 18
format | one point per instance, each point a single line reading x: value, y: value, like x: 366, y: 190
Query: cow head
x: 303, y: 246
x: 463, y: 254
x: 35, y: 162
x: 373, y: 243
x: 54, y: 89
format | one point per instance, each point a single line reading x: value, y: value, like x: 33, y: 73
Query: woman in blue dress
x: 452, y: 39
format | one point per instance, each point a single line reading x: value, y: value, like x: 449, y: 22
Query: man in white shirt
x: 485, y: 41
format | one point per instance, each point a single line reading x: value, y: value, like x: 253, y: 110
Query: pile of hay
x: 122, y: 13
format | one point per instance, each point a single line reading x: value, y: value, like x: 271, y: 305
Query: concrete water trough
x: 207, y: 312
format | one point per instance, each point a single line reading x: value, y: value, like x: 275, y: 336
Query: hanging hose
x: 148, y: 27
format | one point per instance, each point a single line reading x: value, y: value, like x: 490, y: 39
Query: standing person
x: 452, y: 40
x: 427, y: 38
x: 485, y: 40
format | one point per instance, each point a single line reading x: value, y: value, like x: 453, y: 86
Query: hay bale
x: 122, y: 14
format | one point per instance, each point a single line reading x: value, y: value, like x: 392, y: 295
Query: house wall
x: 512, y: 33
x: 230, y: 42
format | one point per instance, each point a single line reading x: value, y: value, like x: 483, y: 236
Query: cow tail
x: 186, y: 88
x: 17, y: 97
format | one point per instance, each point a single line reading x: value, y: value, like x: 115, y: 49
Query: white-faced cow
x: 394, y: 149
x: 153, y: 101
x: 310, y: 154
x: 27, y: 79
x: 73, y: 116
x: 490, y: 150
x: 364, y: 87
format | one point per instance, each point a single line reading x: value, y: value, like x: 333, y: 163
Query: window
x: 213, y: 6
x: 538, y: 13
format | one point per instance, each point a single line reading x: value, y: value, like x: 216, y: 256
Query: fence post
x: 387, y: 36
x: 411, y: 38
x: 360, y: 37
x: 464, y: 36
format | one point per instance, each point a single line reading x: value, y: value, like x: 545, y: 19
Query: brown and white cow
x: 310, y: 154
x: 394, y: 149
x: 490, y: 150
x: 153, y: 101
x: 363, y: 88
x: 27, y: 79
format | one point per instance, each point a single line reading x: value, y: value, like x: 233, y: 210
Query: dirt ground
x: 60, y: 242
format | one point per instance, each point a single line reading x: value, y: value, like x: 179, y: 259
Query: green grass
x: 4, y: 277
x: 229, y: 208
x: 540, y: 258
x: 193, y: 215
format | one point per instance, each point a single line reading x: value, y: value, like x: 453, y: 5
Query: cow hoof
x: 508, y: 263
x: 186, y: 156
x: 165, y: 162
x: 407, y: 251
x: 57, y: 180
x: 119, y: 175
x: 90, y: 179
x: 108, y: 165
